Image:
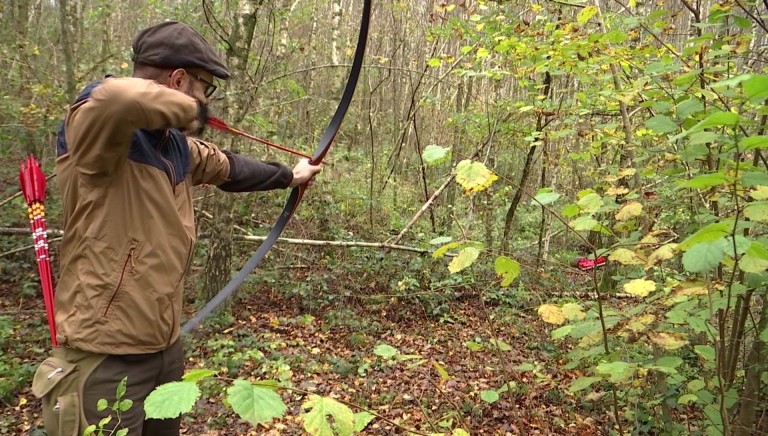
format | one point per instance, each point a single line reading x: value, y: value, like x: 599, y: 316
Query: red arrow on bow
x: 32, y: 181
x: 219, y: 124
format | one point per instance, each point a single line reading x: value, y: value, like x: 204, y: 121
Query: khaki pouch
x: 59, y: 382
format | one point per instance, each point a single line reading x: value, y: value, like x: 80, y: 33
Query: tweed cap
x: 176, y: 45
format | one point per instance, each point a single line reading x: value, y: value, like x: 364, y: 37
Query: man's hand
x: 304, y: 172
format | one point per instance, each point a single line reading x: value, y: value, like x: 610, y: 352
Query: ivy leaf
x: 362, y: 419
x: 171, y: 400
x: 703, y: 257
x: 197, y: 375
x: 582, y: 383
x: 435, y: 154
x: 629, y: 211
x: 661, y: 124
x: 316, y: 420
x: 465, y: 259
x: 757, y: 211
x: 573, y: 312
x: 667, y: 341
x: 551, y: 314
x: 625, y: 257
x: 474, y: 176
x: 255, y: 404
x: 640, y: 287
x: 489, y: 397
x: 508, y: 269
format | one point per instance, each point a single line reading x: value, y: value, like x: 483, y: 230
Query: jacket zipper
x: 128, y: 260
x: 171, y: 167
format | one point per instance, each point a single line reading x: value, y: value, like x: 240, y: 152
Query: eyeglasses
x: 210, y: 87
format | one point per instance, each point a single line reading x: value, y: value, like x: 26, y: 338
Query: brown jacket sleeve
x: 208, y: 165
x: 99, y: 130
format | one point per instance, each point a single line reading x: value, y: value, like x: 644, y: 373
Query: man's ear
x: 177, y: 78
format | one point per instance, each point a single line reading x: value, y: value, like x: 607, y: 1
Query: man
x: 126, y: 163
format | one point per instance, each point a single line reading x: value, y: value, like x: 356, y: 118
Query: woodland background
x: 494, y: 143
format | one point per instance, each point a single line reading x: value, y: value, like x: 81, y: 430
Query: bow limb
x: 298, y: 192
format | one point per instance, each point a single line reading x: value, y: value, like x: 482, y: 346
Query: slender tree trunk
x: 66, y: 48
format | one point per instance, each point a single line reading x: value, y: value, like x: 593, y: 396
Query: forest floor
x: 432, y: 386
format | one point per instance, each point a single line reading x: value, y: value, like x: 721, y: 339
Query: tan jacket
x: 125, y: 173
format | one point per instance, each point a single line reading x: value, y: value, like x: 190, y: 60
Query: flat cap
x: 176, y: 45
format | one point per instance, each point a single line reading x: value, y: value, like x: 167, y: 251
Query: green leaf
x: 718, y: 119
x: 708, y: 233
x: 705, y: 351
x: 582, y: 383
x: 102, y: 404
x: 570, y: 210
x: 385, y: 351
x: 669, y: 361
x: 440, y: 252
x: 465, y: 259
x: 573, y: 312
x: 121, y: 388
x: 583, y: 223
x: 757, y: 211
x: 616, y: 371
x: 586, y: 14
x: 545, y: 196
x: 754, y: 178
x: 562, y: 332
x: 590, y: 203
x: 440, y: 240
x: 688, y: 107
x: 501, y: 345
x: 255, y: 404
x: 506, y: 268
x: 434, y: 62
x: 661, y: 124
x: 756, y: 88
x: 703, y: 257
x: 171, y: 400
x: 525, y: 367
x: 435, y: 154
x: 753, y: 143
x: 703, y: 138
x: 122, y: 432
x: 316, y: 420
x: 489, y: 397
x: 755, y: 260
x: 196, y: 375
x: 694, y: 386
x: 362, y: 419
x: 704, y: 181
x: 474, y: 346
x: 125, y: 405
x: 687, y: 398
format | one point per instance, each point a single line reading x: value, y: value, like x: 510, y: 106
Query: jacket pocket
x: 56, y: 382
x: 127, y: 266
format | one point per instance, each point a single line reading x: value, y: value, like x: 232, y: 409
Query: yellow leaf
x: 474, y: 176
x: 573, y: 312
x: 640, y: 323
x: 625, y: 172
x: 625, y: 257
x: 668, y: 341
x: 124, y: 65
x: 466, y: 258
x: 551, y: 314
x: 629, y: 211
x: 617, y: 190
x: 665, y: 252
x: 640, y: 287
x: 691, y: 289
x: 759, y: 193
